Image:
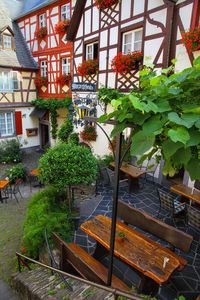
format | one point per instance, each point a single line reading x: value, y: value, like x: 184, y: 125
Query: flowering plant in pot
x: 101, y: 4
x: 40, y: 81
x: 88, y: 134
x: 62, y: 26
x: 64, y: 79
x: 123, y: 64
x: 191, y: 39
x: 41, y: 32
x: 88, y: 67
x: 120, y: 236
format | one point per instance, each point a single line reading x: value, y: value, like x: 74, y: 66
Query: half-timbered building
x: 152, y: 27
x: 17, y: 89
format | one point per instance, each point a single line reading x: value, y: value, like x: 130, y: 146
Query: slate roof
x: 33, y: 5
x: 21, y: 57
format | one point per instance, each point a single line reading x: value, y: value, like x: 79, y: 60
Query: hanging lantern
x: 82, y: 111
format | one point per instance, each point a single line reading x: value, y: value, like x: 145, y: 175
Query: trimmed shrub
x: 65, y: 130
x: 74, y: 138
x: 45, y: 209
x: 10, y: 151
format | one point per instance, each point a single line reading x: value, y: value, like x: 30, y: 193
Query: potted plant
x: 191, y: 39
x: 41, y: 81
x: 102, y: 4
x: 123, y: 64
x: 64, y: 79
x: 62, y: 26
x: 41, y: 32
x: 88, y: 67
x: 120, y: 236
x: 89, y: 133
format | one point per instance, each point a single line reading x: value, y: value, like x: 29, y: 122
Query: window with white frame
x: 6, y: 124
x: 5, y: 81
x: 132, y: 41
x: 92, y: 51
x: 15, y: 80
x: 7, y: 42
x: 65, y: 12
x: 66, y: 65
x: 42, y: 20
x: 43, y: 66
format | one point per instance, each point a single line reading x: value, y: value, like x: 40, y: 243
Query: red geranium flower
x: 101, y: 4
x: 64, y: 79
x: 89, y: 133
x: 191, y: 39
x: 62, y: 26
x: 123, y: 64
x: 88, y: 67
x: 41, y: 81
x: 41, y: 32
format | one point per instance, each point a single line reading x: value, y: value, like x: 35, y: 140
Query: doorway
x: 44, y: 135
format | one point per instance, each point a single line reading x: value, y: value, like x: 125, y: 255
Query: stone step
x: 39, y: 284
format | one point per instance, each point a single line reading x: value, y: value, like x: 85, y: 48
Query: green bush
x: 45, y: 209
x: 16, y: 172
x: 10, y: 151
x: 65, y: 130
x: 67, y: 164
x: 74, y: 138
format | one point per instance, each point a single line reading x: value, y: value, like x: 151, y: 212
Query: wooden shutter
x: 18, y: 122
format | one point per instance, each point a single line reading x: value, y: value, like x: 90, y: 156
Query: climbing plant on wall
x: 53, y: 105
x: 165, y: 112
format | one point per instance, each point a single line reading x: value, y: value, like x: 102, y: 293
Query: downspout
x: 170, y: 33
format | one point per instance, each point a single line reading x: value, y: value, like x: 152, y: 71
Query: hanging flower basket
x: 41, y: 32
x: 102, y: 4
x: 88, y: 67
x: 41, y: 81
x: 88, y: 134
x: 64, y: 79
x: 191, y: 39
x: 123, y: 64
x: 62, y: 26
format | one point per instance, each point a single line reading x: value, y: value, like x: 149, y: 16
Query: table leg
x: 1, y: 199
x: 100, y: 251
x: 148, y: 286
x: 133, y: 184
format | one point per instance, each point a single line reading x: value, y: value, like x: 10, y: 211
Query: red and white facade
x: 53, y: 53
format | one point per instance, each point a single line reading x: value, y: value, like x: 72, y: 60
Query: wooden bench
x: 75, y: 258
x: 167, y: 233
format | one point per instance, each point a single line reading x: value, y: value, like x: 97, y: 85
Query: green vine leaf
x: 169, y: 147
x: 141, y: 143
x: 179, y: 134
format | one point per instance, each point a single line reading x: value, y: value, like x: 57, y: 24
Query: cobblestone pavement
x: 186, y: 282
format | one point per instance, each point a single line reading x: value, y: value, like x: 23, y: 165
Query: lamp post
x: 82, y: 111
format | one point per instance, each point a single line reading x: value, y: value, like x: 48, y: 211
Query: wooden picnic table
x: 3, y: 183
x: 137, y: 250
x: 133, y: 172
x: 188, y: 192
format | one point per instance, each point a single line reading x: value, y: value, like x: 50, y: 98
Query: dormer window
x: 7, y: 42
x: 42, y: 20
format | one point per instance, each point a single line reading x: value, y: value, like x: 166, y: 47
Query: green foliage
x: 89, y: 292
x: 106, y: 95
x: 53, y: 105
x: 52, y: 292
x: 106, y: 159
x: 74, y: 138
x: 16, y: 172
x: 166, y: 113
x: 45, y: 209
x: 67, y: 164
x: 65, y: 130
x: 10, y: 151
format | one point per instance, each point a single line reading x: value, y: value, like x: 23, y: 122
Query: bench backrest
x: 137, y: 218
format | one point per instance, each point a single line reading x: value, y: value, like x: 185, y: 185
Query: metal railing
x: 115, y: 292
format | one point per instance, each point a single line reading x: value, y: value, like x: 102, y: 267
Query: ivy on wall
x: 53, y: 105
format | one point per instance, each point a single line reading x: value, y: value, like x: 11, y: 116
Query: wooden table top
x: 186, y: 191
x: 130, y: 170
x: 3, y: 183
x: 137, y: 250
x: 35, y: 172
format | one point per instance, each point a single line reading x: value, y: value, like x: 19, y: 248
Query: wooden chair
x: 192, y: 217
x: 173, y: 205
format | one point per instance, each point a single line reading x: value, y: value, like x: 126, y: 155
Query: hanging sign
x: 83, y: 87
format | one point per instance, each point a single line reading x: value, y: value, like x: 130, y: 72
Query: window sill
x: 7, y: 136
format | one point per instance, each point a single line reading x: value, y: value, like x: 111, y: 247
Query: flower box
x: 123, y: 64
x: 88, y: 67
x: 64, y: 79
x: 102, y: 4
x: 191, y: 39
x: 41, y: 32
x: 88, y: 134
x: 62, y: 26
x: 40, y: 81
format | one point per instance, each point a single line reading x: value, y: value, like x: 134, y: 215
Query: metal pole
x: 114, y: 209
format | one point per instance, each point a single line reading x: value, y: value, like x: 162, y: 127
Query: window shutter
x: 18, y: 122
